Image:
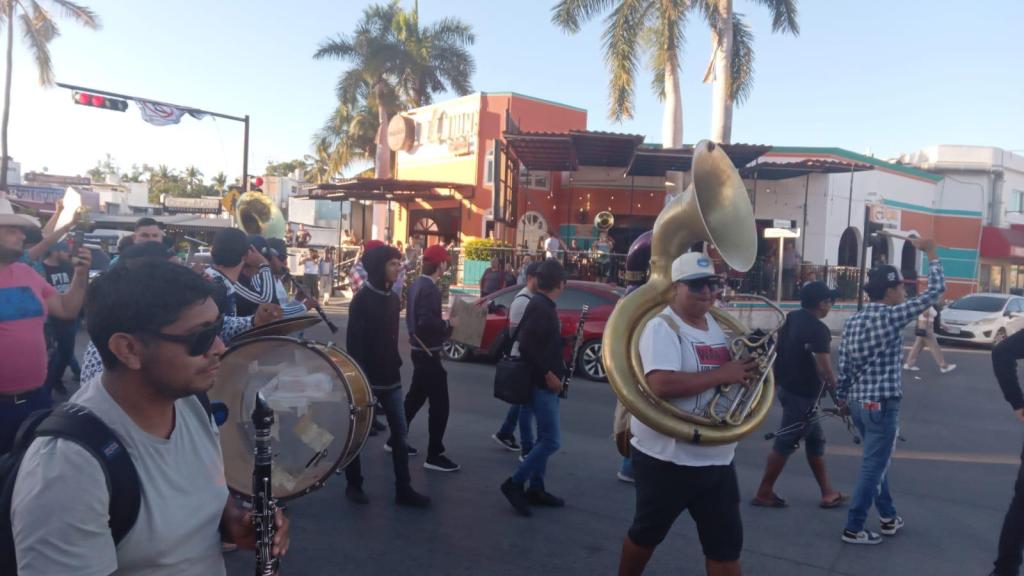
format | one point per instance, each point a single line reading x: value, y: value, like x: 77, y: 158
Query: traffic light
x: 98, y: 101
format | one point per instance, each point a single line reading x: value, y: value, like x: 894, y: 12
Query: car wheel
x: 943, y: 341
x: 589, y: 362
x: 999, y: 337
x: 456, y: 351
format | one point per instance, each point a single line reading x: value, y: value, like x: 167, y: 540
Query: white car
x: 984, y: 318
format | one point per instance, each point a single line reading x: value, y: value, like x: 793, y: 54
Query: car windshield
x: 979, y: 304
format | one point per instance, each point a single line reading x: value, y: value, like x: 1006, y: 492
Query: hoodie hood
x: 375, y: 262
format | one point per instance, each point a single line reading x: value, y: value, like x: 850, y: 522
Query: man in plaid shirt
x: 870, y: 357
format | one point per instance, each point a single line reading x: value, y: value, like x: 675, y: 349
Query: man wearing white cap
x: 685, y: 356
x: 25, y: 302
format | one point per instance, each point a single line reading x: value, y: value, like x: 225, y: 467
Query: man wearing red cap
x: 427, y: 332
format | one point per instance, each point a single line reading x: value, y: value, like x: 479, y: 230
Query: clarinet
x: 300, y: 292
x: 575, y: 352
x: 264, y: 507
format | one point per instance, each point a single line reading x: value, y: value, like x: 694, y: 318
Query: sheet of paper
x: 470, y: 324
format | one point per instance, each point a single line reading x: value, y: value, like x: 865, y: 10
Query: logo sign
x: 786, y: 224
x: 703, y: 262
x: 888, y: 217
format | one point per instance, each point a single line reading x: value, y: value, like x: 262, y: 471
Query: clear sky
x: 873, y: 75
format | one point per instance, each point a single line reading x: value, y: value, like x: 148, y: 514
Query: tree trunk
x: 721, y: 92
x: 672, y: 126
x: 382, y: 165
x: 7, y: 99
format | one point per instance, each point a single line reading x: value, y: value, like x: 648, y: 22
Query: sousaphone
x: 716, y: 209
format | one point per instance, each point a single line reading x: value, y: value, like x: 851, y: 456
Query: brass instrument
x: 604, y: 221
x: 715, y: 208
x: 257, y: 214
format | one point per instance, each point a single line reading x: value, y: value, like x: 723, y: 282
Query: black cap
x: 260, y: 244
x: 882, y: 277
x: 279, y: 248
x: 531, y: 269
x: 813, y: 293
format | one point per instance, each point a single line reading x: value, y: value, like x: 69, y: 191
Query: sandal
x: 836, y: 502
x: 775, y: 502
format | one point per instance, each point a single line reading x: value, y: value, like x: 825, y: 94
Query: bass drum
x: 322, y: 405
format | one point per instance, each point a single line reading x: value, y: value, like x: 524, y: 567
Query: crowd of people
x: 157, y: 330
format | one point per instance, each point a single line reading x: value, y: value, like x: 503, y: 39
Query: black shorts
x: 710, y: 493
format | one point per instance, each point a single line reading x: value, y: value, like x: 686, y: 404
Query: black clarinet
x: 300, y: 293
x: 575, y: 352
x: 264, y: 507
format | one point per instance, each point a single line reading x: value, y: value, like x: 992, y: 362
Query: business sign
x: 787, y: 224
x: 437, y: 133
x: 887, y: 216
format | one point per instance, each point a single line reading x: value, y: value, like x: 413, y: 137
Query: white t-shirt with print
x: 689, y: 350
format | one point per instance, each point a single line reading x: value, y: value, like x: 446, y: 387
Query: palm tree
x: 633, y: 28
x: 731, y: 70
x: 193, y: 178
x: 318, y: 165
x: 219, y: 182
x: 38, y: 28
x: 349, y: 135
x: 394, y: 61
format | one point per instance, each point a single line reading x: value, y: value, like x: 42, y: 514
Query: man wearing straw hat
x: 25, y: 302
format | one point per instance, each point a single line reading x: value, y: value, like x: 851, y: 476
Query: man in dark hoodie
x: 372, y: 340
x: 427, y: 331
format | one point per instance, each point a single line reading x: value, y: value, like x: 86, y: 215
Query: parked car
x: 600, y: 297
x: 984, y: 318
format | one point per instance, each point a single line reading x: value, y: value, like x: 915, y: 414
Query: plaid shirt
x: 871, y: 352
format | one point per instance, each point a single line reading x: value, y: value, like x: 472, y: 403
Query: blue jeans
x: 394, y: 411
x: 62, y: 356
x: 626, y: 468
x: 523, y: 416
x: 879, y: 428
x: 544, y: 405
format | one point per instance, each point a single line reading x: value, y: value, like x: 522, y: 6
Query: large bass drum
x: 322, y: 404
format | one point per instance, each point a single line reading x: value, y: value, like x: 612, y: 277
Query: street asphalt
x: 952, y: 480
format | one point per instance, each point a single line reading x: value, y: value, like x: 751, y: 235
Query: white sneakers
x: 949, y: 368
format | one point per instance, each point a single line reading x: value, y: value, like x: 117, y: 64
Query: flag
x: 160, y: 114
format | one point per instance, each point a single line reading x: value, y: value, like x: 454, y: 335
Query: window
x: 575, y: 299
x: 991, y: 278
x: 536, y: 180
x: 1017, y: 201
x: 1014, y: 306
x: 505, y: 298
x: 489, y: 165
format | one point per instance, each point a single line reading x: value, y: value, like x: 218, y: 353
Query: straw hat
x: 9, y: 218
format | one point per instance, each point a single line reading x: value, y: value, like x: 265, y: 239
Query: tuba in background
x: 604, y: 221
x: 256, y: 213
x: 714, y: 209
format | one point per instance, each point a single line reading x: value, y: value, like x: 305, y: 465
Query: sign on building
x: 887, y: 216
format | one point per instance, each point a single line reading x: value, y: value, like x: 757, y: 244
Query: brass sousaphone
x: 714, y: 209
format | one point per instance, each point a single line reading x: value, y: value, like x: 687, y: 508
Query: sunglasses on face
x: 197, y: 343
x: 711, y: 282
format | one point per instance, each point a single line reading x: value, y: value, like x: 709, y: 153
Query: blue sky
x: 885, y: 76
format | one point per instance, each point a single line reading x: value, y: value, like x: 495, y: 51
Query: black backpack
x: 75, y: 423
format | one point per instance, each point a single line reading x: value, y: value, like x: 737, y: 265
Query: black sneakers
x: 862, y: 537
x: 409, y: 449
x: 356, y: 495
x: 890, y: 526
x: 411, y: 498
x: 509, y: 442
x: 544, y: 498
x: 516, y: 496
x: 441, y: 463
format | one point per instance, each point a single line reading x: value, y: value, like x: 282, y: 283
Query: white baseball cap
x: 691, y: 266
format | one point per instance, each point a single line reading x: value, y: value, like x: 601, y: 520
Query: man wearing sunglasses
x: 155, y: 326
x: 685, y: 356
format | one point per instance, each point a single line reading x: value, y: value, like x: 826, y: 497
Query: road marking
x: 964, y: 457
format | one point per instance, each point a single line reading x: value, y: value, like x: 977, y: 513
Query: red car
x: 600, y: 297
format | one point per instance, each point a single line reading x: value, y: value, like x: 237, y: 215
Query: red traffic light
x: 98, y: 101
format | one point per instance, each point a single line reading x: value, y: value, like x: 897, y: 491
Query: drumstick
x: 301, y: 294
x: 900, y: 234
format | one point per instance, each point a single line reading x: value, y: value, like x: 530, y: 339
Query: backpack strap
x: 75, y: 423
x: 671, y: 323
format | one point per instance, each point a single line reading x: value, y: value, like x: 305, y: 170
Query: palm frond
x: 37, y: 35
x: 79, y: 13
x: 621, y: 54
x: 570, y: 15
x: 741, y: 67
x: 666, y: 40
x: 784, y: 15
x: 339, y: 47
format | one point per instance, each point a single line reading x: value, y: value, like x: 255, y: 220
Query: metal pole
x: 803, y: 240
x: 849, y: 209
x: 778, y: 285
x: 863, y: 257
x: 245, y: 156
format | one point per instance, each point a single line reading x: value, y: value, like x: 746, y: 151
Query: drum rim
x: 354, y: 411
x: 254, y: 331
x: 308, y: 344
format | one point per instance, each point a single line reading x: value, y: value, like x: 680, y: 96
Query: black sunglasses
x: 698, y: 285
x: 197, y: 343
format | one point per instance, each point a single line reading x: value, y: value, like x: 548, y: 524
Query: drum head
x: 313, y: 423
x: 282, y: 327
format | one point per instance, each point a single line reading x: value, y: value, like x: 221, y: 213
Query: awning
x: 567, y: 151
x: 384, y: 189
x: 1002, y: 243
x: 658, y: 161
x: 784, y: 170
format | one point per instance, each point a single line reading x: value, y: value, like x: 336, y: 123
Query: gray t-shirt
x: 59, y: 511
x: 515, y: 314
